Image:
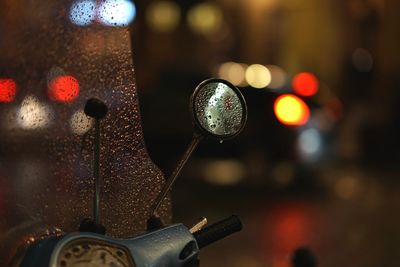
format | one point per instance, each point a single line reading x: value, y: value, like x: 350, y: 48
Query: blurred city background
x: 327, y: 178
x: 317, y: 164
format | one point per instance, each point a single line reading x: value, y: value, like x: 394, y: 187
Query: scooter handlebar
x: 217, y: 231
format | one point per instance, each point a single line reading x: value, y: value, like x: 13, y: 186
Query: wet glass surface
x: 50, y: 65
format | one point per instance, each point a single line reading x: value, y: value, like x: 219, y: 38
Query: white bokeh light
x: 310, y: 142
x: 83, y: 12
x: 33, y: 114
x: 258, y: 76
x: 116, y: 13
x: 233, y: 72
x: 80, y: 123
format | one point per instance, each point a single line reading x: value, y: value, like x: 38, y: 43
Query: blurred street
x: 350, y: 222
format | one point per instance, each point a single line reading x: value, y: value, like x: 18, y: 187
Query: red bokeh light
x: 8, y: 90
x: 305, y: 84
x: 64, y: 88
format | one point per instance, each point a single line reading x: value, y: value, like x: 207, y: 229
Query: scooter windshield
x: 54, y: 56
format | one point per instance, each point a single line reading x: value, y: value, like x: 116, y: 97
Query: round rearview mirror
x: 219, y: 109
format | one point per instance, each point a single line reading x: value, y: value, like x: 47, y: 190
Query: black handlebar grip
x: 217, y: 231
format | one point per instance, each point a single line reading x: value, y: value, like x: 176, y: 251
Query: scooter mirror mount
x: 218, y: 111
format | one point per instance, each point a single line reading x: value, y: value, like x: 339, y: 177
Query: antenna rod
x: 96, y: 109
x: 96, y: 172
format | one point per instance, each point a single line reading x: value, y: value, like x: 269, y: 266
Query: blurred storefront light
x: 80, y: 123
x: 33, y: 114
x: 258, y: 76
x: 305, y: 84
x: 163, y: 16
x: 291, y: 110
x: 362, y: 60
x: 205, y: 18
x: 233, y: 72
x: 8, y: 90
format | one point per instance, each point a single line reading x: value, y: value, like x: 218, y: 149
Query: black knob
x: 95, y: 108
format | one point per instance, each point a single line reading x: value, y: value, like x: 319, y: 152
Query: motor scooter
x: 218, y: 111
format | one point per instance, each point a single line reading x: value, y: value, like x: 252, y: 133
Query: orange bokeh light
x: 64, y: 89
x: 305, y: 84
x: 8, y: 90
x: 291, y: 110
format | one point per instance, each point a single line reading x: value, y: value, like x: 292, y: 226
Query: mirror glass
x: 219, y: 108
